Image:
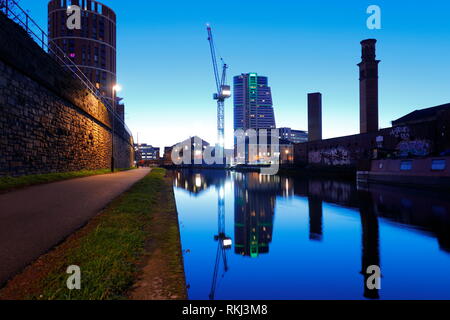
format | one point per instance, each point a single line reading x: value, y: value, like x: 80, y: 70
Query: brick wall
x: 48, y: 121
x: 419, y: 139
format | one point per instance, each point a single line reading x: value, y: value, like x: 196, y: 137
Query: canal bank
x: 114, y: 251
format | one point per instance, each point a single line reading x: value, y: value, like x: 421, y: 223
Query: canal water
x: 249, y: 236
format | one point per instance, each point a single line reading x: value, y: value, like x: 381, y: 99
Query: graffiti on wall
x: 335, y: 156
x: 407, y: 147
x: 414, y: 147
x: 401, y: 133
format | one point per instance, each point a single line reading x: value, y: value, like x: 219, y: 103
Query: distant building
x: 294, y: 136
x: 167, y: 157
x: 146, y: 152
x: 195, y: 145
x: 421, y: 133
x: 286, y: 152
x: 423, y: 115
x: 253, y: 106
x: 259, y: 152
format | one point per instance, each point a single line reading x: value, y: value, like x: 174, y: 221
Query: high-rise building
x: 253, y: 106
x: 92, y: 48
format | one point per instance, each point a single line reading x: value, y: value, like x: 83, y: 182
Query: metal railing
x: 13, y: 11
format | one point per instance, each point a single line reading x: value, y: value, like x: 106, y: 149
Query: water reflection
x: 255, y: 207
x: 315, y: 218
x: 370, y: 240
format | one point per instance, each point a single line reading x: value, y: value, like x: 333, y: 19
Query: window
x: 438, y: 165
x: 406, y: 165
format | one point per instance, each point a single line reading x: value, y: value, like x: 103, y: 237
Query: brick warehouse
x: 50, y: 122
x: 421, y: 133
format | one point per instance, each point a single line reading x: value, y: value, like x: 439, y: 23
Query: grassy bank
x: 113, y: 249
x: 12, y: 183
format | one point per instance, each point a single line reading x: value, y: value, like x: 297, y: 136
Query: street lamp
x: 116, y: 88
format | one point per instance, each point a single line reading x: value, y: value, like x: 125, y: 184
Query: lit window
x: 406, y: 165
x: 438, y: 165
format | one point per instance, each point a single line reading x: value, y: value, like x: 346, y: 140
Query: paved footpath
x: 35, y: 219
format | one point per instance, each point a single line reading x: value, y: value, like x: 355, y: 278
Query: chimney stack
x: 314, y: 116
x: 368, y: 87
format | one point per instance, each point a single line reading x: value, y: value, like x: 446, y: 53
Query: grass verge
x: 112, y: 250
x: 12, y: 183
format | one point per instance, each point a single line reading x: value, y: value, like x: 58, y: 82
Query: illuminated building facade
x: 253, y: 106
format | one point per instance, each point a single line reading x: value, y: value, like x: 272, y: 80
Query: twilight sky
x: 165, y: 69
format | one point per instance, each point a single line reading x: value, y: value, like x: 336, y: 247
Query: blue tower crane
x: 223, y: 93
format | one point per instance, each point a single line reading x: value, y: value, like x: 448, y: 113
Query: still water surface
x: 299, y: 238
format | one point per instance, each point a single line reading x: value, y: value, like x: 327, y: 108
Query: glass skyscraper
x: 253, y: 106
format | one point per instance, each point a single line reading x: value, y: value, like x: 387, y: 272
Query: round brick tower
x: 92, y: 46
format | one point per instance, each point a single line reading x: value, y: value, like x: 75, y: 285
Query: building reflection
x: 254, y: 208
x: 255, y: 199
x: 421, y: 209
x: 315, y: 218
x: 196, y: 181
x: 370, y: 241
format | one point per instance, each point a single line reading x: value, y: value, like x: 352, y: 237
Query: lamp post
x: 116, y: 88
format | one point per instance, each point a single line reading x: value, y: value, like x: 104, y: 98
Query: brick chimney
x: 314, y: 116
x: 368, y: 87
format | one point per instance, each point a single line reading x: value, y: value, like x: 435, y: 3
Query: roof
x: 421, y: 115
x: 192, y: 139
x: 284, y: 142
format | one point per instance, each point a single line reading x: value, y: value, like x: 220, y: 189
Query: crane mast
x: 224, y: 243
x: 223, y: 92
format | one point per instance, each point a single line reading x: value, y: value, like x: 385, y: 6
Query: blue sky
x: 165, y: 70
